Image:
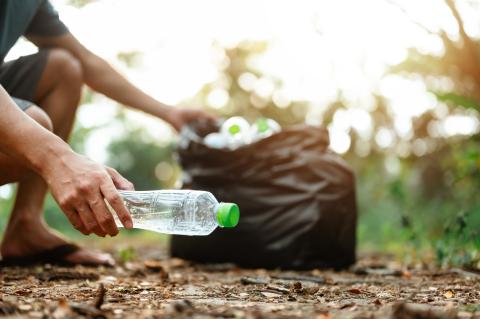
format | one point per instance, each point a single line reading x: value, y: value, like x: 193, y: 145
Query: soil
x: 151, y: 285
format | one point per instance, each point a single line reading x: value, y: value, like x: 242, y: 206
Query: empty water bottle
x: 216, y: 140
x: 237, y: 130
x: 263, y: 128
x: 182, y: 212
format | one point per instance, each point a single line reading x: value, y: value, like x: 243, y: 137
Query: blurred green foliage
x: 137, y: 159
x: 127, y: 254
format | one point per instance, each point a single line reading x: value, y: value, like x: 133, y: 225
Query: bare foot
x: 28, y: 237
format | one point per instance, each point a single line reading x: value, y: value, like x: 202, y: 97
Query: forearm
x: 24, y: 139
x: 103, y: 78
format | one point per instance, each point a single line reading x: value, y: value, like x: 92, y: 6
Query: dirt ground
x: 155, y: 286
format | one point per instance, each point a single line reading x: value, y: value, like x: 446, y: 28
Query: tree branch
x: 472, y: 63
x: 418, y: 24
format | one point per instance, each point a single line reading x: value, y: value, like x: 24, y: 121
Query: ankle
x: 23, y: 221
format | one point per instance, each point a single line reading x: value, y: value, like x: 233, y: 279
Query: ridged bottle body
x: 181, y: 212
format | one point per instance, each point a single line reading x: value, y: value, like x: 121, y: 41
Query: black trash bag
x: 297, y: 200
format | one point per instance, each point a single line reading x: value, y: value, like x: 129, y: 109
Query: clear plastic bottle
x: 216, y: 140
x: 237, y: 131
x: 182, y: 212
x: 263, y: 128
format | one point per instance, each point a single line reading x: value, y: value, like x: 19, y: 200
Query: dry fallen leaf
x: 406, y: 274
x: 448, y: 294
x: 154, y: 265
x: 355, y: 291
x: 270, y: 294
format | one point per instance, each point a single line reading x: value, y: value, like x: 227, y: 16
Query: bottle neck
x: 215, y: 214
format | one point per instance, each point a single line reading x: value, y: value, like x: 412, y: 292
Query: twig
x: 465, y: 273
x: 278, y: 288
x: 418, y: 24
x: 67, y: 275
x: 89, y: 310
x: 100, y: 296
x: 318, y: 280
x: 253, y: 281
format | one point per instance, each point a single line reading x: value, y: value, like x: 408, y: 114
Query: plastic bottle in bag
x: 216, y: 140
x: 237, y: 131
x: 182, y: 212
x: 263, y: 128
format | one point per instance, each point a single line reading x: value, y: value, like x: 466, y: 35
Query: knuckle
x: 114, y: 200
x: 84, y: 187
x: 99, y: 176
x: 72, y: 196
x: 95, y: 202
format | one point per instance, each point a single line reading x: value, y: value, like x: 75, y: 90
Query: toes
x: 92, y: 258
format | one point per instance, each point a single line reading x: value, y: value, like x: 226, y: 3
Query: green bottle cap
x: 262, y: 125
x: 234, y: 129
x: 228, y: 215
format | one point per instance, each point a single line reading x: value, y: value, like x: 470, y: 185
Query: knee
x: 67, y: 67
x: 40, y: 117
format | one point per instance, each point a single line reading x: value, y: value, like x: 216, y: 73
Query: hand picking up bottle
x: 181, y: 212
x: 236, y: 132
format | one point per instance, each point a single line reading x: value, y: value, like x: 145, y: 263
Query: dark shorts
x: 20, y: 77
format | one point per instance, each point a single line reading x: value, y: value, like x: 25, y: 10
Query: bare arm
x: 103, y: 78
x: 77, y: 184
x: 23, y: 138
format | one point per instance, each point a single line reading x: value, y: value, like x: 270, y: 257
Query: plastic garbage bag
x: 297, y: 200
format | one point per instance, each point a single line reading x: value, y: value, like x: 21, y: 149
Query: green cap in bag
x: 234, y: 129
x: 262, y: 125
x: 228, y: 215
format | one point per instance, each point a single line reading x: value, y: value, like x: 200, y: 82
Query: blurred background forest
x: 396, y: 82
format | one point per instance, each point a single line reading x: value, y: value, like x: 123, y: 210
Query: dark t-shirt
x: 26, y: 17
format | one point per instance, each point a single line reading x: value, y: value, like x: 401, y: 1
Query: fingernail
x: 128, y: 224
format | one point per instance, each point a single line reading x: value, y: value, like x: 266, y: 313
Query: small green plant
x: 127, y: 254
x: 459, y: 243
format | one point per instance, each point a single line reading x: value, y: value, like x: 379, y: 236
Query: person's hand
x: 81, y: 186
x: 179, y: 117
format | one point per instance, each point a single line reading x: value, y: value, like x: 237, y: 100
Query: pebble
x: 25, y: 307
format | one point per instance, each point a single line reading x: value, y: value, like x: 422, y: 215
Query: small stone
x: 25, y: 307
x: 109, y: 279
x: 270, y: 294
x: 182, y: 305
x: 10, y: 298
x: 35, y: 314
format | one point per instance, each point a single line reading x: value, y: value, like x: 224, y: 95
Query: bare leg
x: 58, y: 94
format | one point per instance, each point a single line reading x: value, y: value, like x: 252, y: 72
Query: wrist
x: 165, y: 112
x: 158, y: 109
x: 47, y: 159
